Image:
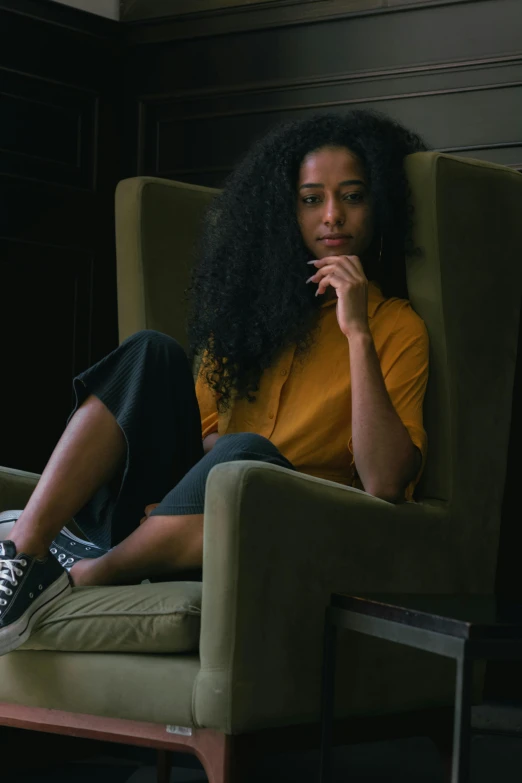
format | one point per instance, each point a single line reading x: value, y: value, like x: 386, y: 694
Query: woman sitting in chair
x: 312, y: 359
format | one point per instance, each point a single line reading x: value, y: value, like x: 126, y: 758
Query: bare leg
x: 161, y: 546
x: 88, y: 455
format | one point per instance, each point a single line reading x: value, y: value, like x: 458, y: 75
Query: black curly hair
x: 248, y: 298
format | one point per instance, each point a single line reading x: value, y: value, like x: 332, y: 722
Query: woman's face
x: 334, y: 210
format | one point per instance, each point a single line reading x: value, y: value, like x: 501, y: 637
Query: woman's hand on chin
x: 345, y: 274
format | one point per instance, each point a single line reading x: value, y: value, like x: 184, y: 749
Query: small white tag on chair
x: 185, y: 731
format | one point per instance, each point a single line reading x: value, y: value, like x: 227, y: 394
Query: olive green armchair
x: 223, y: 667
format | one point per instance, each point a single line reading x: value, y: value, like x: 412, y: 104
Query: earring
x: 380, y: 254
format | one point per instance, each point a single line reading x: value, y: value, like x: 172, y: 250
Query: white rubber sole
x: 10, y: 516
x: 14, y: 635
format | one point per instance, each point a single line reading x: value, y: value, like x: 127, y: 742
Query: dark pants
x: 147, y: 385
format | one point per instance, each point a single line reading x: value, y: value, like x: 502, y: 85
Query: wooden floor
x: 494, y: 758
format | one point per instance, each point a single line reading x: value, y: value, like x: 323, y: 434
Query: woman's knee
x: 244, y: 443
x: 154, y: 339
x: 158, y: 344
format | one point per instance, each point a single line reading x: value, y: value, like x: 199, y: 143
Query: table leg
x: 462, y: 727
x: 328, y: 699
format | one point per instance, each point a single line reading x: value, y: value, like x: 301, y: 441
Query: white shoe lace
x: 8, y: 573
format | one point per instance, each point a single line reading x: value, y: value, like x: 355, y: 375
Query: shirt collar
x: 375, y: 297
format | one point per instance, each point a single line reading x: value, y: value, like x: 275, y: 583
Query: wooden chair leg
x: 164, y: 766
x: 222, y: 758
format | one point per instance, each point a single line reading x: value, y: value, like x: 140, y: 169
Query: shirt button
x: 270, y: 415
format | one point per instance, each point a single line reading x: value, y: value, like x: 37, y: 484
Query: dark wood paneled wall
x: 59, y: 165
x: 452, y: 71
x: 85, y: 101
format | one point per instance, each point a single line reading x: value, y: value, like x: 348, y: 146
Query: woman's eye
x: 352, y: 198
x: 355, y: 198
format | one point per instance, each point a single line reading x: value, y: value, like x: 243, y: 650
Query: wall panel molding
x: 48, y: 130
x: 369, y: 44
x: 236, y: 19
x: 437, y: 100
x: 140, y: 10
x: 328, y: 93
x: 325, y: 80
x: 365, y: 100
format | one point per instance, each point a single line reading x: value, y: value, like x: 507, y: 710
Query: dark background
x: 85, y: 101
x: 60, y: 128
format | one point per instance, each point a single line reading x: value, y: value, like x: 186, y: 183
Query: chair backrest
x: 465, y: 284
x: 157, y: 225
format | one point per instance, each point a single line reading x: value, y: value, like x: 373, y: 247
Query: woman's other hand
x: 210, y: 441
x: 148, y: 509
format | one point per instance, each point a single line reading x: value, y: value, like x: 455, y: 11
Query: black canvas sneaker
x: 68, y: 549
x: 27, y: 586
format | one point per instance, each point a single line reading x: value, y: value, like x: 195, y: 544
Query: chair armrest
x: 276, y: 545
x: 16, y: 487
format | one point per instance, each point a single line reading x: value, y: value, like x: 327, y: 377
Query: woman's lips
x: 334, y: 242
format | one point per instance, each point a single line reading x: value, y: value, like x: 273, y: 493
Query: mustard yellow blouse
x: 304, y: 407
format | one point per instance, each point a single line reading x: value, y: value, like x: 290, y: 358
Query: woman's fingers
x: 346, y: 266
x: 329, y: 270
x: 331, y: 279
x: 336, y: 270
x: 148, y: 509
x: 348, y: 262
x: 333, y: 275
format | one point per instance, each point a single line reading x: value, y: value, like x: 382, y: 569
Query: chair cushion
x: 146, y: 618
x: 133, y: 686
